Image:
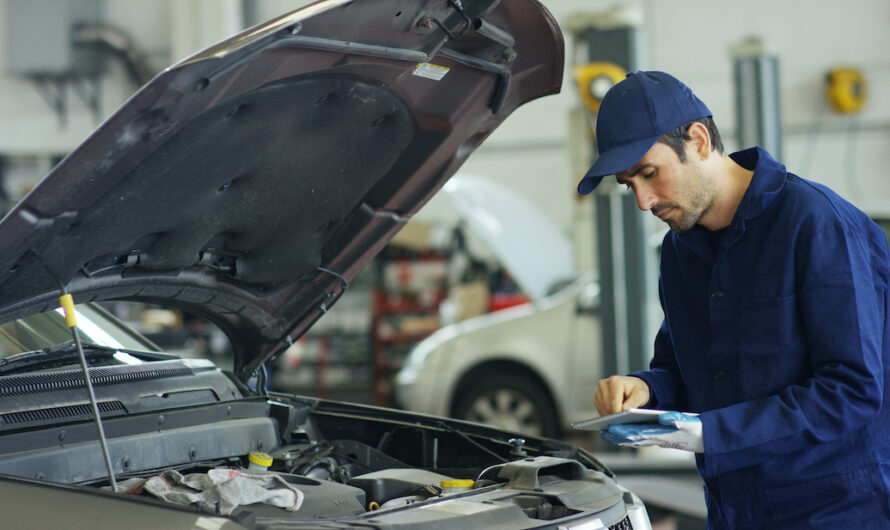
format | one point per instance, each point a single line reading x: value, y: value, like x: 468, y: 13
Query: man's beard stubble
x: 700, y: 195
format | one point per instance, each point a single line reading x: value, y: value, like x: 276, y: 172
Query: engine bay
x: 173, y: 425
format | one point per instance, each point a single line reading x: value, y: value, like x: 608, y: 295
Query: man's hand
x: 675, y: 430
x: 619, y: 393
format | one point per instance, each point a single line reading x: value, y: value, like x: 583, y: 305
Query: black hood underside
x: 250, y: 183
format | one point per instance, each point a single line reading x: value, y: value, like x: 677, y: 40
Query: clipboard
x: 602, y: 423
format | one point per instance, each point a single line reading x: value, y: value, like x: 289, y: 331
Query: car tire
x: 510, y: 401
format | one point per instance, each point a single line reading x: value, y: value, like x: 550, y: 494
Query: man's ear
x: 699, y: 140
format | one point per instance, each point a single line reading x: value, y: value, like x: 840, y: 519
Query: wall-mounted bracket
x: 54, y: 90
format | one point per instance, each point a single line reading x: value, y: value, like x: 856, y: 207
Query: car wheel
x: 513, y: 402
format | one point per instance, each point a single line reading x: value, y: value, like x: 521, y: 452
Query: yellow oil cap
x: 259, y: 458
x: 464, y: 483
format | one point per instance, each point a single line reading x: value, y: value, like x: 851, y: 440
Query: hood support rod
x: 67, y: 303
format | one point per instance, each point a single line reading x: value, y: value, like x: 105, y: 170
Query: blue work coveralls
x: 776, y: 331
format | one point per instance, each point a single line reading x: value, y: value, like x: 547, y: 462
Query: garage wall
x: 692, y: 40
x: 689, y: 38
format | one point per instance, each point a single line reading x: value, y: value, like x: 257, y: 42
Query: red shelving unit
x: 405, y: 310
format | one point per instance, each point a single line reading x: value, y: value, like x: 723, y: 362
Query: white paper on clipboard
x: 628, y: 416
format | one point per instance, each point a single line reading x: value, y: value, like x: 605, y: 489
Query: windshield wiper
x: 65, y: 353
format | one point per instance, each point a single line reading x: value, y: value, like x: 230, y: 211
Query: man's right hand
x: 619, y: 393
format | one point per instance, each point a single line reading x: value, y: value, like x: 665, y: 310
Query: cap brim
x: 614, y: 161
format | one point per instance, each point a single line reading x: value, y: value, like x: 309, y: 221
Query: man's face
x: 677, y: 192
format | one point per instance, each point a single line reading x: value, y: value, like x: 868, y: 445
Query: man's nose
x: 645, y: 199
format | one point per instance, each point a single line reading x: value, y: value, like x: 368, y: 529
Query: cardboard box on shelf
x: 470, y: 299
x: 418, y: 324
x: 415, y: 235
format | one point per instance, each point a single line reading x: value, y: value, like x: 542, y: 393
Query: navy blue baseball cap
x: 633, y: 114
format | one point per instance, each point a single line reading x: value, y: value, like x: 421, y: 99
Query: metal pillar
x: 756, y: 80
x: 623, y: 258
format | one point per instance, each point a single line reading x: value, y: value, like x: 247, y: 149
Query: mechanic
x: 774, y: 340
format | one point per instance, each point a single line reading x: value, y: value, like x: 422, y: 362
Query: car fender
x: 536, y: 335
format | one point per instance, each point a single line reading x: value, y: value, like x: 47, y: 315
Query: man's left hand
x: 675, y: 430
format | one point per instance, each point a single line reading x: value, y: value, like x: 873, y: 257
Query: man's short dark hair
x: 677, y: 138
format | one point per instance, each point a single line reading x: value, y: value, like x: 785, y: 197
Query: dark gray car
x: 249, y: 184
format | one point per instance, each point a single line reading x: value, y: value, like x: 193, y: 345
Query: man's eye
x: 649, y: 174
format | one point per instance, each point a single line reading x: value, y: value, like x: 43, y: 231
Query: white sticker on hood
x: 430, y: 71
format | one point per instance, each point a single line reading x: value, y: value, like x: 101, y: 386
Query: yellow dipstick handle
x: 67, y: 302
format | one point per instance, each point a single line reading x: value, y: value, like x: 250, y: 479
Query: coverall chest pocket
x: 773, y: 354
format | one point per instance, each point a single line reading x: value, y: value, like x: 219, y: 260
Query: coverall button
x: 717, y: 295
x: 718, y: 375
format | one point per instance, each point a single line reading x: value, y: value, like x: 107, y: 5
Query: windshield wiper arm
x: 65, y: 353
x: 57, y: 355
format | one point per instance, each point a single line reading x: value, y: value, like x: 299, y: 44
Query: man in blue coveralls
x: 774, y: 345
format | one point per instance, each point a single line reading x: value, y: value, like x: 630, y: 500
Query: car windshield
x: 43, y: 330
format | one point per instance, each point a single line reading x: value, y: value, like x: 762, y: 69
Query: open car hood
x: 251, y: 182
x: 529, y: 244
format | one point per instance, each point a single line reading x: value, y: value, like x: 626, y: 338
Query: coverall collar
x: 766, y: 183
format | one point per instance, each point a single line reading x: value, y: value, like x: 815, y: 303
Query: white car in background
x: 531, y: 368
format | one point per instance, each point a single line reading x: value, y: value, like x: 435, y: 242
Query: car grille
x: 623, y: 524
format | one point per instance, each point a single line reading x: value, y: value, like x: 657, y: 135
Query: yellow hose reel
x: 594, y: 80
x: 847, y: 90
